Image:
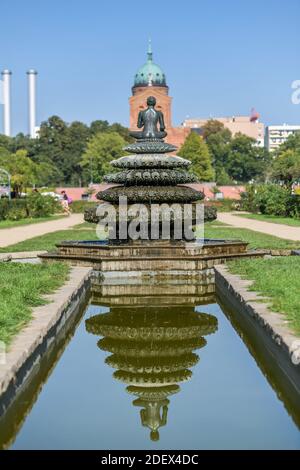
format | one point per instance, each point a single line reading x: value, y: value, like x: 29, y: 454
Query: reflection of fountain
x: 152, y: 349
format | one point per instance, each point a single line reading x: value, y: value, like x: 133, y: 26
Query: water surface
x: 138, y: 374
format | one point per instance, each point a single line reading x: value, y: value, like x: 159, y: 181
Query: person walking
x: 66, y: 201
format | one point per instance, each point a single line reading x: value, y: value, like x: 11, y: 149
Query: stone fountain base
x: 158, y: 257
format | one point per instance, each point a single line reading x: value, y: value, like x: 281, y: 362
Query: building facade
x: 248, y: 125
x: 150, y: 80
x: 277, y: 135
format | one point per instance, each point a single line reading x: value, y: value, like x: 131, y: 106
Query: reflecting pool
x: 148, y: 367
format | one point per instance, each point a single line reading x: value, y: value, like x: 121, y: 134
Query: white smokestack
x: 6, y: 102
x: 32, y: 102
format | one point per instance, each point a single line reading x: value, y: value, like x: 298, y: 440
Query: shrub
x: 34, y: 205
x: 17, y: 213
x: 13, y: 209
x: 224, y: 205
x: 273, y: 200
x: 210, y: 213
x: 269, y: 199
x: 294, y: 206
x: 78, y: 207
x: 42, y: 206
x: 248, y: 202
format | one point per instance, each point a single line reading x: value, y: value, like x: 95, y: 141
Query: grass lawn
x: 255, y: 239
x: 22, y: 287
x: 272, y: 218
x: 212, y: 230
x: 277, y: 279
x: 28, y: 221
x: 84, y: 225
x: 49, y: 240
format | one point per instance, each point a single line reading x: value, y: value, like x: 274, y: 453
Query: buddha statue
x: 149, y: 119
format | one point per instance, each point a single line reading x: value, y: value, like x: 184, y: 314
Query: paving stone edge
x: 61, y: 305
x: 252, y: 303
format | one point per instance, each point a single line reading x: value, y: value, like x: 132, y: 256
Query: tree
x: 212, y: 126
x: 77, y: 137
x: 5, y: 142
x: 101, y: 149
x: 286, y: 167
x: 122, y: 131
x: 292, y: 143
x: 59, y: 148
x: 218, y: 138
x: 246, y: 161
x: 196, y: 150
x: 51, y: 147
x: 24, y: 172
x: 99, y: 126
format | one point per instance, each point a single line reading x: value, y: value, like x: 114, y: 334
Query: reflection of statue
x: 149, y: 120
x: 151, y: 416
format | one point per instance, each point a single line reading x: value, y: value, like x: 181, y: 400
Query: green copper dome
x: 150, y: 74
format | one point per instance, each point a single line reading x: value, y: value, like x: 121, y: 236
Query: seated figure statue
x: 149, y: 119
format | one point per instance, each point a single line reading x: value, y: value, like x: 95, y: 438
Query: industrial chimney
x: 32, y: 102
x: 6, y: 101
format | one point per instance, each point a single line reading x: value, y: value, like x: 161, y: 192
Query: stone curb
x: 45, y: 319
x: 5, y: 257
x: 26, y: 254
x: 273, y: 324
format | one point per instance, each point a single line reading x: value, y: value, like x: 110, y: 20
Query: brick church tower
x: 151, y: 80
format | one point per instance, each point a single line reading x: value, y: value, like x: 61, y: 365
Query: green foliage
x: 213, y: 127
x: 234, y: 158
x: 196, y: 150
x: 14, y: 209
x: 224, y: 205
x: 222, y: 177
x: 286, y: 166
x: 292, y: 143
x: 62, y: 146
x: 41, y: 206
x: 246, y: 161
x: 34, y: 205
x: 255, y: 239
x: 58, y: 150
x: 24, y: 172
x: 101, y: 150
x: 286, y: 161
x: 22, y: 287
x: 218, y: 138
x: 277, y: 279
x: 49, y: 240
x: 271, y: 199
x: 78, y: 207
x: 210, y: 213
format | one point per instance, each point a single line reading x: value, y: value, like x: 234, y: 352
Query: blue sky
x: 220, y: 57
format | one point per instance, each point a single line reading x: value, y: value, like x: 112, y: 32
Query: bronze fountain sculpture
x: 151, y: 175
x: 149, y: 119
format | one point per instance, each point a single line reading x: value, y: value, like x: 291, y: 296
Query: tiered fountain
x: 152, y: 337
x: 151, y: 178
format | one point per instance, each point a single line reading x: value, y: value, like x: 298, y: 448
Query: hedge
x: 271, y: 199
x: 35, y: 205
